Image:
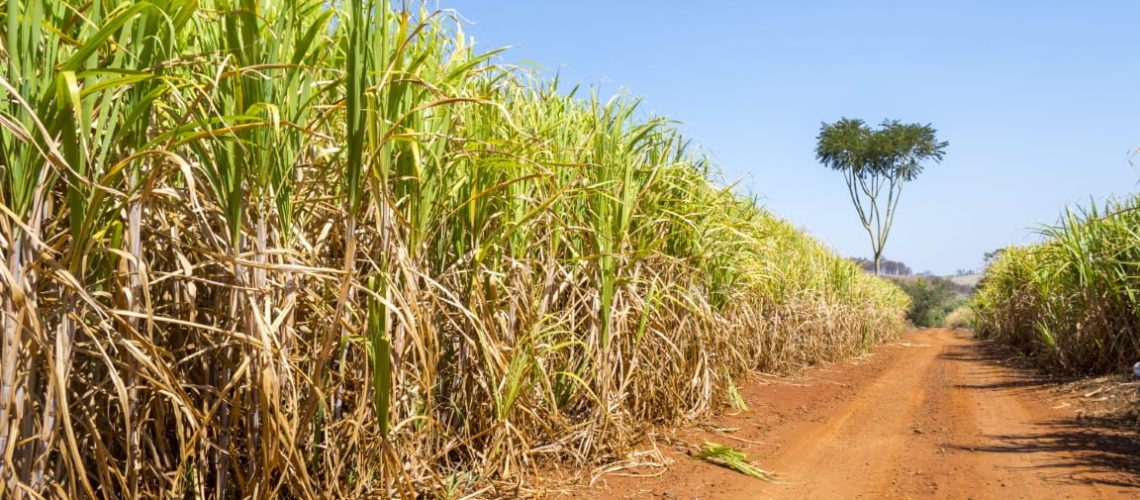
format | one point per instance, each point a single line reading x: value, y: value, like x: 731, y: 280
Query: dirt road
x: 937, y: 416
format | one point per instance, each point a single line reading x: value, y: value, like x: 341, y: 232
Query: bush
x: 961, y: 317
x: 931, y: 298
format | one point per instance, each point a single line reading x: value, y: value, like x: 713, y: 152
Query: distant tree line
x: 887, y: 266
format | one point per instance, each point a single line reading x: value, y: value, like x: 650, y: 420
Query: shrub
x: 961, y: 317
x: 931, y: 299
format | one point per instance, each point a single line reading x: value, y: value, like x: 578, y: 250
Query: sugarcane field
x: 458, y: 249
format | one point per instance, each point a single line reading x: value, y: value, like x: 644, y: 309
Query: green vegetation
x: 1072, y: 301
x: 961, y: 317
x: 732, y: 458
x: 300, y: 249
x: 877, y: 163
x: 932, y: 298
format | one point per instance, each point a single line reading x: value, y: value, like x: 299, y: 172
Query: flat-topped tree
x: 877, y: 162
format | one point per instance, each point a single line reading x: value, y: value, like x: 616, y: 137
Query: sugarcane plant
x: 302, y: 249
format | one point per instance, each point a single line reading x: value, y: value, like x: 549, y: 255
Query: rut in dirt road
x: 936, y: 416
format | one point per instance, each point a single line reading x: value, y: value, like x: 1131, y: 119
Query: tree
x: 931, y: 298
x: 991, y: 257
x: 877, y: 162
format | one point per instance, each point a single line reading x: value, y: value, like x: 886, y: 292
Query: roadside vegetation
x: 962, y: 317
x: 1071, y: 302
x: 301, y: 249
x: 932, y: 299
x: 935, y: 301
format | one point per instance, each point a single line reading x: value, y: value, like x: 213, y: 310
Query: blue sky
x: 1039, y: 100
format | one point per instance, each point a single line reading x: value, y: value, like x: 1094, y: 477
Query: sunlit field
x: 313, y: 249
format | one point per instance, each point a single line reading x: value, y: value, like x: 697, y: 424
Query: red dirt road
x: 937, y: 416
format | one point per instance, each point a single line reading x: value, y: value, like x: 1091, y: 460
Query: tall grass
x: 1073, y: 301
x: 961, y: 317
x: 307, y: 249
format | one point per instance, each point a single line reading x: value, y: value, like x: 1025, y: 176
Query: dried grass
x: 299, y: 249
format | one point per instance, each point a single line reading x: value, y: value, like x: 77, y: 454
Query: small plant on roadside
x: 962, y: 317
x: 735, y: 399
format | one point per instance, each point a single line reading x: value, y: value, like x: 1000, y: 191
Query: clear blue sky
x: 1039, y: 100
